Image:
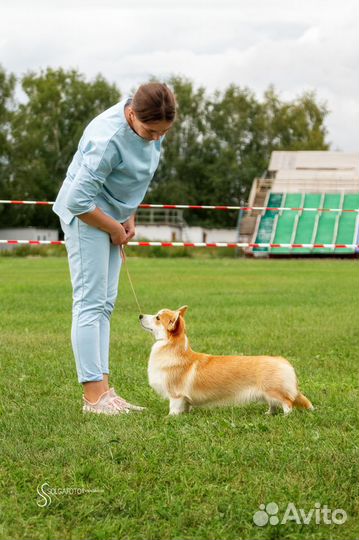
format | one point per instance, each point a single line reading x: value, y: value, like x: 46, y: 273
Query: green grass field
x: 198, y: 476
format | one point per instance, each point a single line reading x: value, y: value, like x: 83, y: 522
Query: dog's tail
x: 302, y: 402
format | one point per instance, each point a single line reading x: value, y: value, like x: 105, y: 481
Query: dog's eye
x: 158, y: 317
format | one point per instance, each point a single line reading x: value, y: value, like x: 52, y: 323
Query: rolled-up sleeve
x: 98, y: 160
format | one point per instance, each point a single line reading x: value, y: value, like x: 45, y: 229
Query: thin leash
x: 124, y: 259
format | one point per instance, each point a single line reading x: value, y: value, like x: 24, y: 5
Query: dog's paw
x: 272, y: 411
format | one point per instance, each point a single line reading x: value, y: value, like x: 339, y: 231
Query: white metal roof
x: 323, y: 160
x: 319, y: 175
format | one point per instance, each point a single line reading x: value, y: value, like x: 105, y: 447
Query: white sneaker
x: 106, y: 404
x: 123, y: 404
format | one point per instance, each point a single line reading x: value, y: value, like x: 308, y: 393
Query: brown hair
x: 154, y: 102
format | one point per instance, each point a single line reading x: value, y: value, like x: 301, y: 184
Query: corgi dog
x: 189, y: 379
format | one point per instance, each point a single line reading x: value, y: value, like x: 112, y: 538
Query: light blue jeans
x: 95, y: 266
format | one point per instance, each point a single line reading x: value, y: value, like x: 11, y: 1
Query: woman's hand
x: 118, y: 235
x: 130, y: 228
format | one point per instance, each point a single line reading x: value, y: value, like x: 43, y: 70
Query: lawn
x: 199, y: 476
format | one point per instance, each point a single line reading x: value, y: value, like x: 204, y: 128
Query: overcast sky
x: 296, y: 45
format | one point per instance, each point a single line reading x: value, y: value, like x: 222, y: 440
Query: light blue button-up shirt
x: 111, y: 170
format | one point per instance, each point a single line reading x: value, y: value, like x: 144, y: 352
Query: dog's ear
x: 173, y: 324
x: 182, y: 310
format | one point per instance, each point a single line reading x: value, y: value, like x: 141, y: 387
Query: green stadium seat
x: 332, y: 200
x: 328, y: 223
x: 265, y: 228
x: 286, y: 223
x: 351, y: 201
x: 326, y: 231
x: 293, y: 200
x: 312, y: 200
x: 306, y: 223
x: 348, y: 223
x: 346, y: 232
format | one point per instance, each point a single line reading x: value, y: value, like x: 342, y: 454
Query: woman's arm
x: 106, y: 223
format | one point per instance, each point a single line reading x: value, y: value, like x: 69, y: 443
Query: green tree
x: 236, y: 127
x: 294, y: 125
x: 7, y: 105
x: 220, y: 143
x: 45, y: 133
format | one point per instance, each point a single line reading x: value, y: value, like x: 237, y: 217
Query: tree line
x: 219, y: 143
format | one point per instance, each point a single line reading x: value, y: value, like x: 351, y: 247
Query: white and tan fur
x: 189, y: 379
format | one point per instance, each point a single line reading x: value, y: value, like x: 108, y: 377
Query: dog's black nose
x: 140, y: 316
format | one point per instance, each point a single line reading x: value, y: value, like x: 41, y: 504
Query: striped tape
x: 207, y: 207
x: 194, y: 244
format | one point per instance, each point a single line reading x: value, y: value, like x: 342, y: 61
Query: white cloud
x: 295, y: 45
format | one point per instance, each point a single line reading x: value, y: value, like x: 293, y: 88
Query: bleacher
x: 308, y: 227
x: 331, y: 183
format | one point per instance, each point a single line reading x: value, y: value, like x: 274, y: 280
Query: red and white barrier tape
x: 194, y: 244
x: 208, y: 207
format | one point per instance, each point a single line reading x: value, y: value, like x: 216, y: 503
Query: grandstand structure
x: 317, y: 190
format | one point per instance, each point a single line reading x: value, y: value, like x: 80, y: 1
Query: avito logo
x: 319, y: 514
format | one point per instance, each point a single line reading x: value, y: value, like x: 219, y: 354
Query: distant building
x: 298, y: 181
x: 27, y: 233
x: 168, y: 225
